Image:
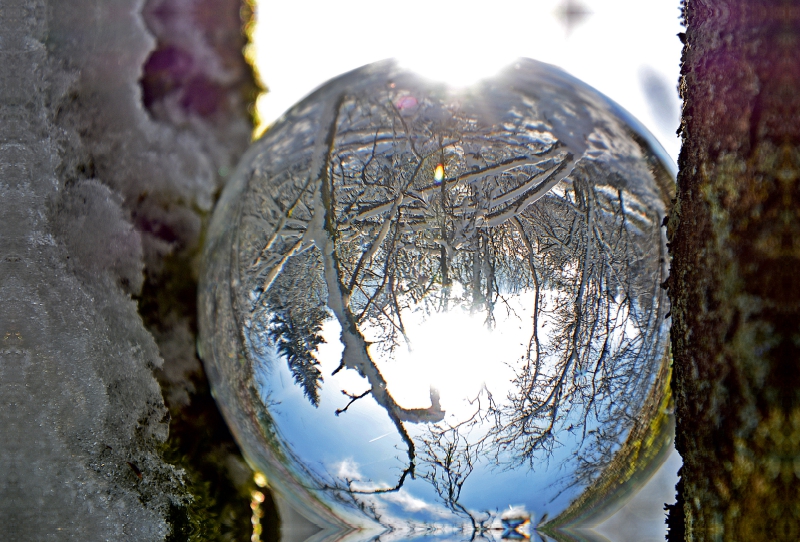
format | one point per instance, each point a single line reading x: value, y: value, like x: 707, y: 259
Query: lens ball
x: 430, y: 309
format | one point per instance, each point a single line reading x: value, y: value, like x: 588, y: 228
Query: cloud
x: 410, y: 503
x: 348, y: 470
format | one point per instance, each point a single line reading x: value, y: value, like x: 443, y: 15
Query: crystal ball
x: 434, y: 309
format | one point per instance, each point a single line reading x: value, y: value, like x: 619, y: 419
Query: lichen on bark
x: 735, y: 243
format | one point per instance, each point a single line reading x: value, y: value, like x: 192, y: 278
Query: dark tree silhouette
x: 449, y: 458
x: 290, y: 320
x: 297, y: 339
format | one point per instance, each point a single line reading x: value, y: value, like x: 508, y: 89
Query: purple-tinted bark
x: 735, y: 244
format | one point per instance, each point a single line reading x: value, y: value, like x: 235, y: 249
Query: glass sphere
x: 440, y: 310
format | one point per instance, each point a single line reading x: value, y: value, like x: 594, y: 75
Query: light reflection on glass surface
x: 430, y: 312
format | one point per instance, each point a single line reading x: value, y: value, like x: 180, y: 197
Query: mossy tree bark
x: 735, y: 243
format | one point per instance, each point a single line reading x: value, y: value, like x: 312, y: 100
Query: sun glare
x: 457, y: 70
x: 448, y: 351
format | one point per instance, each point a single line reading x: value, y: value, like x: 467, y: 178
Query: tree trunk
x: 735, y: 243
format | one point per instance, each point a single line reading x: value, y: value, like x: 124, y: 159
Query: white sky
x: 626, y: 49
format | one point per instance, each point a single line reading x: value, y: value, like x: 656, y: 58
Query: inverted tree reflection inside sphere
x: 428, y: 308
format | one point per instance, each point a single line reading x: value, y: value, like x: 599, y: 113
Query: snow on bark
x: 94, y: 191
